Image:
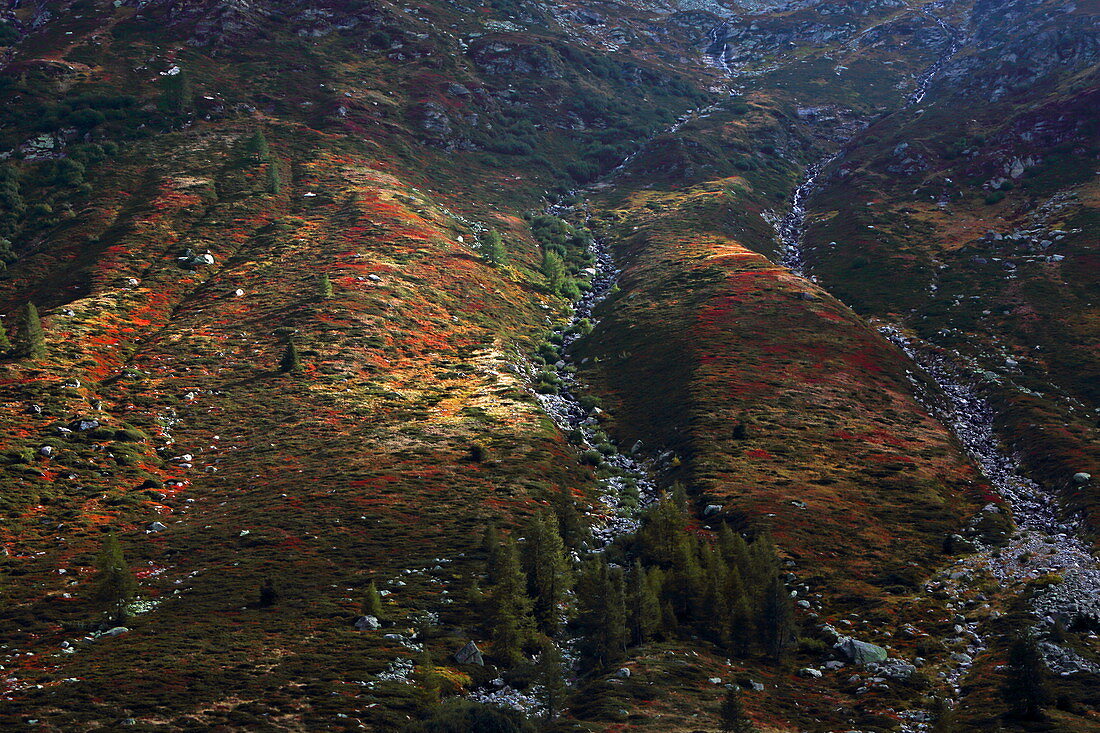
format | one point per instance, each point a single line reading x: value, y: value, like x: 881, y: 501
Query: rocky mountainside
x: 537, y: 365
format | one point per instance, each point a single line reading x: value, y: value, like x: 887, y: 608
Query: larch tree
x: 115, y: 584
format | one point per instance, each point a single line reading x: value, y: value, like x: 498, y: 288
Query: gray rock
x: 156, y: 527
x: 45, y: 451
x: 809, y: 672
x: 116, y: 631
x: 1082, y: 477
x: 623, y: 672
x: 367, y: 623
x: 470, y: 654
x: 860, y: 652
x: 712, y: 510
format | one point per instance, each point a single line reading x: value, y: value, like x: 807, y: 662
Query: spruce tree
x: 291, y: 361
x: 509, y: 607
x: 731, y: 714
x: 493, y: 249
x: 1026, y: 690
x: 324, y: 286
x: 372, y: 602
x: 115, y: 584
x: 5, y: 343
x: 548, y: 572
x: 30, y: 339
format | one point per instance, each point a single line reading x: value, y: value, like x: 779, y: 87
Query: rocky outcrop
x: 500, y: 57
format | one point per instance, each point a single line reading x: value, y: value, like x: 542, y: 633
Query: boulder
x: 116, y: 631
x: 712, y: 510
x: 367, y: 623
x: 860, y: 652
x: 623, y: 672
x: 155, y: 527
x: 809, y: 672
x: 1082, y: 477
x: 470, y: 654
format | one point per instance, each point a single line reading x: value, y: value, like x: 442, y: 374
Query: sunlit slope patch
x: 357, y: 464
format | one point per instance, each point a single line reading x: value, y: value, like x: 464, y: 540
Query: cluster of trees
x: 565, y: 253
x: 258, y: 151
x: 665, y: 582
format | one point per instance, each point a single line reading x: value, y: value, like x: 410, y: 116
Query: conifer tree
x: 176, y: 95
x: 493, y: 249
x: 509, y: 606
x: 256, y: 147
x: 372, y: 602
x: 324, y: 286
x: 426, y: 675
x: 735, y: 551
x: 269, y: 594
x: 549, y: 673
x: 645, y: 604
x: 686, y: 577
x: 554, y: 269
x: 274, y: 178
x: 1026, y: 690
x: 115, y: 584
x: 490, y: 546
x: 291, y: 361
x: 662, y: 526
x: 776, y: 619
x: 740, y: 615
x: 732, y: 715
x: 5, y: 343
x: 548, y: 572
x: 30, y: 339
x: 602, y: 597
x: 570, y: 524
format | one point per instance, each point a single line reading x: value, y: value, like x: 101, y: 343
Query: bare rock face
x: 222, y: 25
